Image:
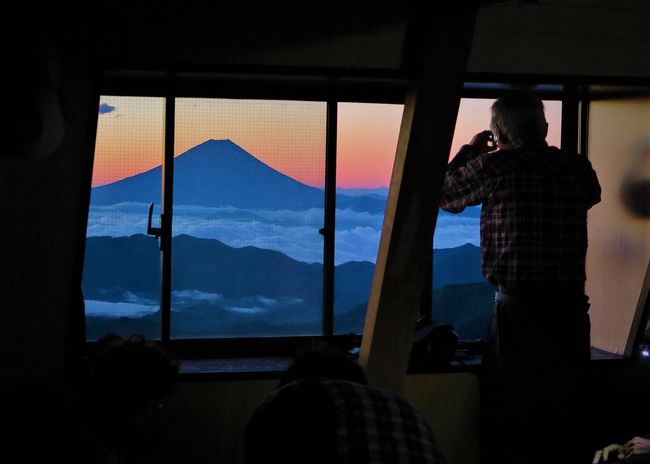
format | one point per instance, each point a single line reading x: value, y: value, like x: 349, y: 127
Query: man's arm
x: 464, y: 181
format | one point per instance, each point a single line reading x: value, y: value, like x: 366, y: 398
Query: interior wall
x: 450, y: 402
x: 563, y: 37
x: 345, y: 35
x: 203, y: 421
x: 619, y: 227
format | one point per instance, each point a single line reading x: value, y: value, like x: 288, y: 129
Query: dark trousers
x: 535, y: 379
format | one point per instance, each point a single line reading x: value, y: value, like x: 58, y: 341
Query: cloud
x: 131, y: 297
x: 196, y: 295
x: 294, y: 233
x: 267, y: 301
x: 454, y: 231
x: 105, y: 108
x: 117, y: 310
x: 356, y: 244
x: 242, y: 310
x: 272, y: 302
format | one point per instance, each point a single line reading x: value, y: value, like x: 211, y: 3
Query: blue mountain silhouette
x: 220, y: 173
x: 117, y: 267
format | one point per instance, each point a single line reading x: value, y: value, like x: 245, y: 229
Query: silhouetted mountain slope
x: 220, y: 291
x: 220, y: 173
x: 468, y: 307
x: 457, y: 265
x: 114, y: 265
x: 352, y: 282
x: 117, y: 264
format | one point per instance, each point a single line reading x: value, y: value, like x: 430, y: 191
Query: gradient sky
x: 286, y: 135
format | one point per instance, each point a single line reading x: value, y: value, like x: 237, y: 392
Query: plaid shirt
x: 534, y: 215
x: 336, y: 421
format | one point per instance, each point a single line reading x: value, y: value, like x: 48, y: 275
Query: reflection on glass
x: 619, y: 226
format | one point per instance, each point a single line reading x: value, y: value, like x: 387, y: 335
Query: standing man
x: 535, y: 199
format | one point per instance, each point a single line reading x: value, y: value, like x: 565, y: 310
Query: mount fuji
x: 219, y: 173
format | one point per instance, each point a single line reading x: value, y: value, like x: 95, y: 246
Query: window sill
x: 597, y: 354
x: 251, y: 368
x: 234, y: 368
x: 274, y: 367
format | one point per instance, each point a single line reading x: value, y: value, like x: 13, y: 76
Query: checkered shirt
x: 534, y: 215
x: 349, y: 422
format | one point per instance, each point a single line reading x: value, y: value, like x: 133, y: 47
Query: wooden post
x: 438, y: 50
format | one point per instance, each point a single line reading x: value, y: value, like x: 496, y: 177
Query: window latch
x: 153, y: 231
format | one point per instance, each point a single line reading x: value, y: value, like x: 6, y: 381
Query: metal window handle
x: 154, y: 231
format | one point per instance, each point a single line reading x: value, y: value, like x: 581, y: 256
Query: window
x: 248, y: 205
x: 247, y: 199
x: 121, y: 280
x: 367, y: 136
x: 619, y: 227
x: 247, y: 256
x: 461, y: 295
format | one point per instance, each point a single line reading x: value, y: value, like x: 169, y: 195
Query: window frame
x: 328, y: 88
x: 332, y: 86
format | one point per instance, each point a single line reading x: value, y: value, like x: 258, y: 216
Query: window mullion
x: 166, y: 218
x: 570, y: 120
x: 328, y: 230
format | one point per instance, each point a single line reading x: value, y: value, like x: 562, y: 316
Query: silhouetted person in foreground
x: 534, y: 200
x: 128, y: 380
x: 323, y: 412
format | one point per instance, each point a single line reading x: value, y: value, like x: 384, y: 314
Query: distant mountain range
x: 221, y: 291
x: 220, y: 173
x: 381, y: 192
x: 460, y: 265
x: 230, y: 285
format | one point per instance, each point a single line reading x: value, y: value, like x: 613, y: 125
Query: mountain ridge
x: 220, y: 173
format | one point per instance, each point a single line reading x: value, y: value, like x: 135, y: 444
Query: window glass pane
x: 619, y: 226
x: 248, y: 204
x: 366, y: 145
x: 121, y: 278
x: 367, y: 142
x: 461, y: 295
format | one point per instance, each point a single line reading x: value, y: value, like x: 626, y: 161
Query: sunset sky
x: 289, y: 136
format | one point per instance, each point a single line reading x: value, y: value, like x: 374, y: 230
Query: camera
x: 494, y: 139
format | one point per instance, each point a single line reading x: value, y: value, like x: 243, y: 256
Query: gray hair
x: 519, y: 118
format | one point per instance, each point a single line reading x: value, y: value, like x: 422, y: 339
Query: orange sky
x: 129, y: 138
x: 287, y: 135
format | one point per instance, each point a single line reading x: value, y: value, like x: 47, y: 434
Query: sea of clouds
x: 294, y: 233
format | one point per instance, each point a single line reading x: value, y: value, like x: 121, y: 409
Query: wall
x: 42, y: 207
x: 565, y: 37
x: 450, y: 402
x: 204, y: 420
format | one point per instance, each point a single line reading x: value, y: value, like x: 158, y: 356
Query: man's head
x: 518, y: 119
